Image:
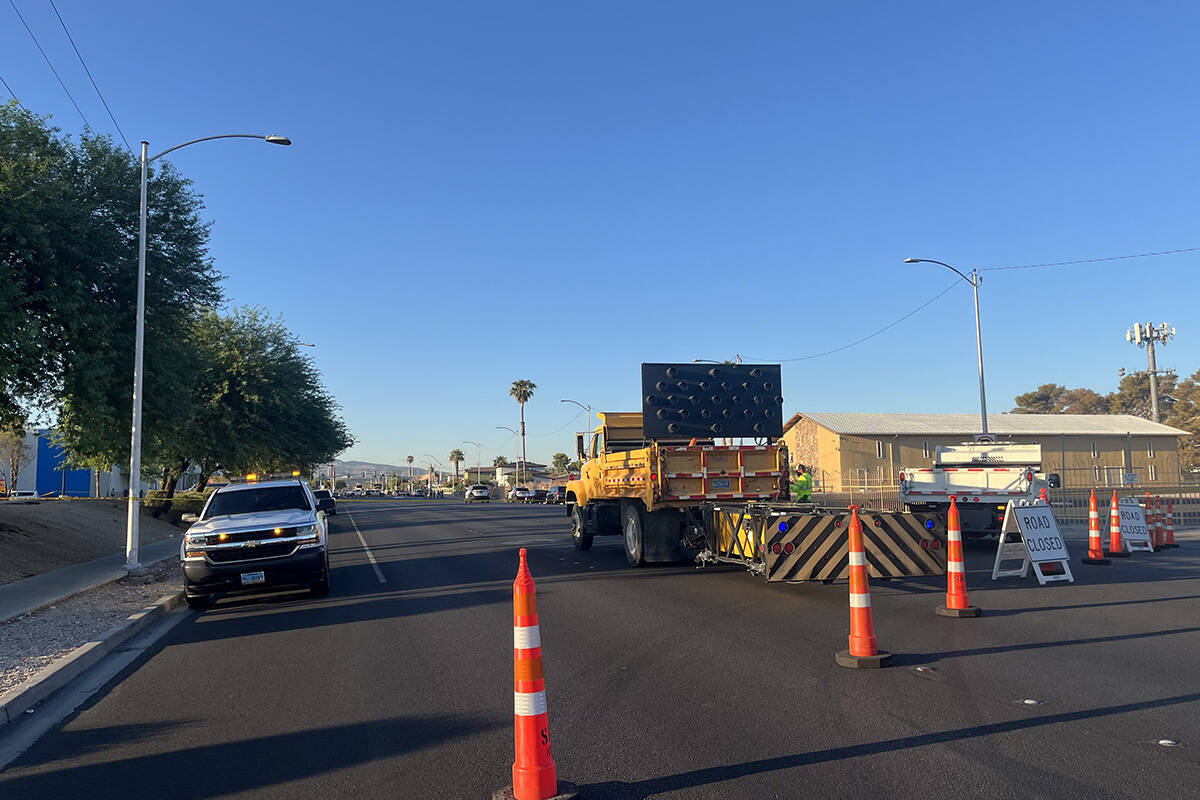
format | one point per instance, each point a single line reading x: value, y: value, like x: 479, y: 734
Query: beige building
x: 846, y: 451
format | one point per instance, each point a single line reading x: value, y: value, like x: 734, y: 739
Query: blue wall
x: 50, y: 479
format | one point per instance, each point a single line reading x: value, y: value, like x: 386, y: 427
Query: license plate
x: 251, y: 578
x: 721, y: 483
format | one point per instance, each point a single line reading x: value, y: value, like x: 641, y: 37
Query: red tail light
x: 789, y: 547
x: 775, y: 548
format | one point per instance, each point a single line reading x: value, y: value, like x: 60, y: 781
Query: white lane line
x: 367, y: 550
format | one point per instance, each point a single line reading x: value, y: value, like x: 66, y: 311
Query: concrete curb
x: 17, y: 701
x: 103, y: 580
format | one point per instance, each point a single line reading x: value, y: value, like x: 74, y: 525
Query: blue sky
x: 480, y: 192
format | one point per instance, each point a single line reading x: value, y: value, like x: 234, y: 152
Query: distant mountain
x: 364, y: 469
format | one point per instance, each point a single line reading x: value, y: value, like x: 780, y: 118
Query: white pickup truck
x: 982, y: 477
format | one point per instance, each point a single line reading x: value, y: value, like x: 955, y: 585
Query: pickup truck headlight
x: 308, y: 534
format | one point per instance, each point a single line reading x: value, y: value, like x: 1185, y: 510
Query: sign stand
x: 1030, y: 534
x: 1135, y: 533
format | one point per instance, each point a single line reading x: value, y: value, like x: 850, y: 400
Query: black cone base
x: 881, y: 659
x: 946, y: 611
x: 1110, y: 554
x: 566, y: 791
x: 1089, y: 560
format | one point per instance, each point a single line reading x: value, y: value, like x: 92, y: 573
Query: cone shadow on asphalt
x: 246, y: 764
x: 913, y: 659
x: 654, y: 787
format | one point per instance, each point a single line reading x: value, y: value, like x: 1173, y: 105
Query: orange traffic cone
x: 957, y: 604
x: 1095, y: 549
x: 863, y: 653
x: 534, y: 774
x: 1170, y: 538
x: 1116, y: 548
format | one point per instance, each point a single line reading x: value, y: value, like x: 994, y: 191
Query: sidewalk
x: 21, y: 597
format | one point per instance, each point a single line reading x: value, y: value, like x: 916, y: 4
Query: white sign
x: 1129, y: 477
x: 1135, y: 533
x: 1030, y: 534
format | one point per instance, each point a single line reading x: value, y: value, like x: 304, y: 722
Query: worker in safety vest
x: 802, y: 486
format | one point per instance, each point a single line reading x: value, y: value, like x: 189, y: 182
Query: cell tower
x: 1145, y: 335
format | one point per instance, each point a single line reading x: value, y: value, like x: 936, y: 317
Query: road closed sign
x: 1030, y: 538
x: 1039, y: 529
x: 1135, y: 533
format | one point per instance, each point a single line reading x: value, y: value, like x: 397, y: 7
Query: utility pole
x: 1145, y: 335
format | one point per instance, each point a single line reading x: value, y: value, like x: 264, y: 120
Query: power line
x: 51, y: 66
x: 71, y: 39
x: 1092, y: 260
x: 11, y: 93
x: 889, y: 326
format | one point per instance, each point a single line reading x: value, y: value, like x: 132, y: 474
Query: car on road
x: 254, y: 537
x: 519, y: 494
x: 477, y: 492
x: 325, y: 501
x: 23, y: 494
x: 539, y: 496
x: 557, y: 494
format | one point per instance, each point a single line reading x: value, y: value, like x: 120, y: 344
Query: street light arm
x: 943, y: 263
x: 283, y: 140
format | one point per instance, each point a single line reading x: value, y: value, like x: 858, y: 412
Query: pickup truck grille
x: 272, y: 550
x: 248, y: 536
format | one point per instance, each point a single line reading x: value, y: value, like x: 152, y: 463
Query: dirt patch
x: 40, y: 536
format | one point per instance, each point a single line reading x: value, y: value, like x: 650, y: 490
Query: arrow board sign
x: 1030, y: 534
x: 1135, y: 533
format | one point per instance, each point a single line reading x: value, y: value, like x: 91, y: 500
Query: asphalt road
x: 663, y: 682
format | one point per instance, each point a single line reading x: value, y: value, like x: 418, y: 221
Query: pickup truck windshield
x: 251, y: 501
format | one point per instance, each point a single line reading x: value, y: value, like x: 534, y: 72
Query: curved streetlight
x: 135, y: 446
x: 433, y: 460
x: 478, y: 459
x: 737, y: 359
x: 974, y: 280
x: 517, y: 463
x: 587, y: 408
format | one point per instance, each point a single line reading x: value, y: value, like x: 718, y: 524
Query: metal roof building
x: 869, y: 450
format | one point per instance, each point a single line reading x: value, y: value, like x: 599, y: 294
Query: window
x: 1153, y: 472
x: 879, y: 448
x: 1095, y: 452
x: 1149, y: 448
x: 925, y: 449
x: 252, y: 501
x: 1096, y: 474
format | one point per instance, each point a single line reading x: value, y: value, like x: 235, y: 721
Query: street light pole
x: 586, y: 407
x: 135, y: 440
x: 974, y: 280
x: 517, y: 455
x: 478, y: 459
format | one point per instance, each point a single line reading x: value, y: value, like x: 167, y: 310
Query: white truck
x: 982, y: 476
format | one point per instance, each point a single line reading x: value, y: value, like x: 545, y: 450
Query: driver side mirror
x: 579, y: 446
x: 189, y: 517
x: 1054, y: 480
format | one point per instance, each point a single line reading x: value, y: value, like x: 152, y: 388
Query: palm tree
x: 456, y: 456
x: 522, y: 392
x: 410, y: 459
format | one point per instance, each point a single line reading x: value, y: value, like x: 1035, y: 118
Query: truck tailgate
x: 934, y: 484
x: 720, y: 473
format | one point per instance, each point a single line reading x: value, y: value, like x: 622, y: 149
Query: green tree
x: 1046, y: 399
x: 456, y: 457
x: 410, y: 461
x: 1133, y: 395
x: 1083, y: 401
x: 559, y: 463
x: 1185, y: 414
x: 522, y: 392
x: 499, y: 461
x: 68, y: 266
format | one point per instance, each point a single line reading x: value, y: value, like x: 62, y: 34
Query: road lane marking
x: 367, y: 550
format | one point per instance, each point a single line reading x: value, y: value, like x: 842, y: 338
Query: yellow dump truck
x: 678, y: 481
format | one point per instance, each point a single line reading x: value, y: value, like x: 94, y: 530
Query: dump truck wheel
x: 631, y: 528
x: 579, y: 535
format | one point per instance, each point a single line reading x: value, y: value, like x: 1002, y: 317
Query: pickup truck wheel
x: 631, y: 527
x: 581, y: 539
